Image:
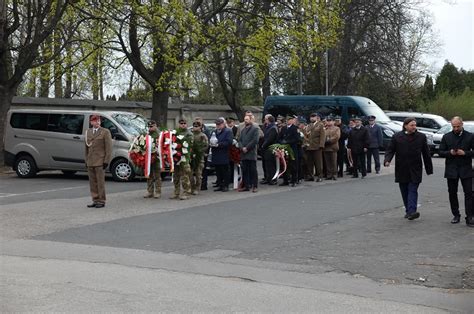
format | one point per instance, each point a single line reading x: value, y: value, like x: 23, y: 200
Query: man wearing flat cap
x: 98, y: 141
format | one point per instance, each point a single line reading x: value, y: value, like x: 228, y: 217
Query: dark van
x: 343, y: 106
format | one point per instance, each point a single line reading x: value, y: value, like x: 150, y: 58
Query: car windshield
x: 134, y: 124
x: 377, y: 112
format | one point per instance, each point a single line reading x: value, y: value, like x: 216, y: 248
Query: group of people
x: 321, y: 149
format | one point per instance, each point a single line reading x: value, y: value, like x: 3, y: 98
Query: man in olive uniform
x: 153, y: 182
x: 182, y: 171
x: 316, y: 137
x: 200, y: 147
x: 98, y: 155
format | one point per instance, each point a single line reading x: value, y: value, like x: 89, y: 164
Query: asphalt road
x: 349, y: 227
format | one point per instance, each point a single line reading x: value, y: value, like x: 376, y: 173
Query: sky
x: 454, y: 24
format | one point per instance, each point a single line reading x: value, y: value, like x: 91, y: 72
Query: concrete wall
x: 176, y: 111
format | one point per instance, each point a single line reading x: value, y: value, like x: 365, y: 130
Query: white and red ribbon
x: 148, y: 148
x: 279, y: 158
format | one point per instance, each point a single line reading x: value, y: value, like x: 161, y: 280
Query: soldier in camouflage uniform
x: 199, y: 148
x: 154, y: 180
x: 182, y: 172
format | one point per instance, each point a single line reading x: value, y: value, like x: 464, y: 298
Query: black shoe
x: 293, y: 185
x: 203, y: 188
x: 98, y: 205
x: 470, y: 222
x: 377, y: 172
x: 91, y: 205
x: 334, y: 179
x: 354, y: 176
x: 363, y: 176
x: 225, y: 189
x: 263, y: 182
x: 283, y: 184
x: 273, y: 182
x: 415, y: 215
x: 406, y: 216
x: 218, y: 189
x: 339, y: 175
x: 309, y: 179
x: 456, y: 220
x: 369, y: 171
x: 319, y: 180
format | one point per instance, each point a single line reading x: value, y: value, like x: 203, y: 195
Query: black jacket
x: 457, y: 166
x: 358, y: 140
x: 408, y: 150
x: 270, y: 136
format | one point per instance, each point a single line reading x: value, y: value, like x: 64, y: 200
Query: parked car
x: 435, y: 139
x: 45, y: 139
x: 425, y: 122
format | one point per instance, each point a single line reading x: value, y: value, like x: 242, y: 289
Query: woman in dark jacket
x: 409, y: 146
x: 220, y: 154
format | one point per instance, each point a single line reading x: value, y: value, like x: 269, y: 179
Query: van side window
x: 31, y: 121
x: 354, y: 112
x: 106, y: 123
x: 66, y: 123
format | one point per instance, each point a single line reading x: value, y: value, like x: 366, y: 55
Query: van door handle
x: 76, y: 137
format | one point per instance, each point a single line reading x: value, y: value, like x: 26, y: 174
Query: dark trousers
x: 453, y: 196
x: 359, y: 164
x: 204, y: 173
x: 249, y: 173
x: 376, y: 154
x: 410, y: 196
x: 222, y: 174
x: 291, y: 173
x: 340, y: 160
x: 270, y: 165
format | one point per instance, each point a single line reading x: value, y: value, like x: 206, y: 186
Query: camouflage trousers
x: 181, y: 175
x: 196, y: 177
x: 153, y: 182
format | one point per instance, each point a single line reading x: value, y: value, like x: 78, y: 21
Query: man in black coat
x: 458, y: 148
x: 409, y: 146
x: 289, y: 135
x: 357, y: 145
x: 270, y: 137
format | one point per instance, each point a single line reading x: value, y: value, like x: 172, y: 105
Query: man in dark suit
x: 375, y: 142
x: 270, y: 137
x: 289, y: 135
x: 220, y: 143
x: 409, y: 146
x: 357, y: 145
x: 98, y: 155
x: 458, y: 149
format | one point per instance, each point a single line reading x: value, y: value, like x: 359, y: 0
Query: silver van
x: 425, y: 122
x: 44, y: 139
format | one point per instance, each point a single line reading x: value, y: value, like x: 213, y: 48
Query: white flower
x: 185, y: 151
x: 174, y: 145
x: 180, y: 137
x: 185, y: 144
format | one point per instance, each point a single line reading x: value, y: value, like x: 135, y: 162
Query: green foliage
x: 448, y: 106
x: 449, y: 80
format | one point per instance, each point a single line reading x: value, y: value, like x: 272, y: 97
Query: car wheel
x: 25, y: 167
x: 122, y: 170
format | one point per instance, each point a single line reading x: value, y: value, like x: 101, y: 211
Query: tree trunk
x: 6, y: 96
x: 266, y: 85
x: 159, y: 110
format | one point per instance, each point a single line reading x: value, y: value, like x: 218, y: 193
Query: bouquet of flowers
x: 182, y: 150
x: 141, y: 146
x: 282, y: 152
x: 165, y: 149
x: 234, y: 152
